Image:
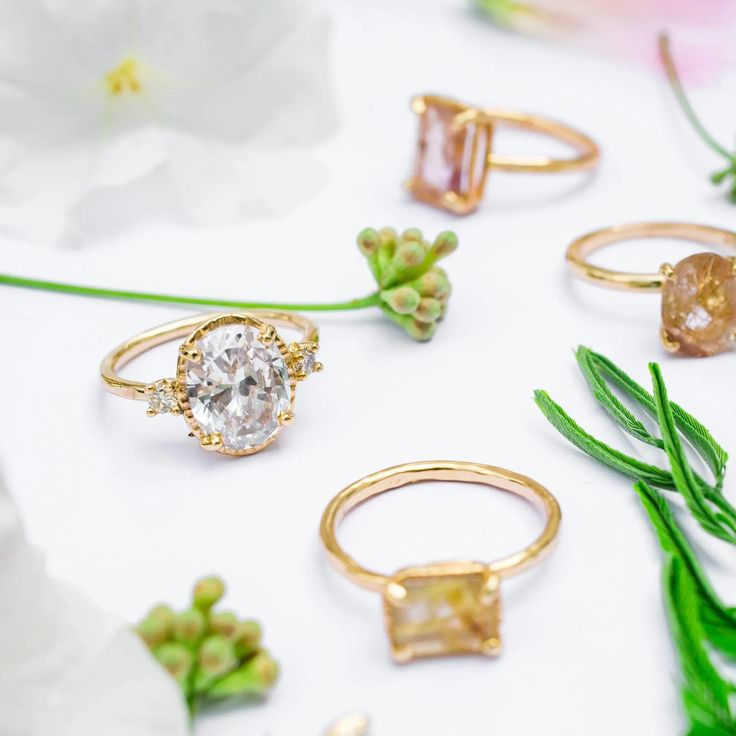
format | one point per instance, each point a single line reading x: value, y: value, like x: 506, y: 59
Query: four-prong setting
x: 303, y: 359
x: 161, y: 396
x: 236, y: 381
x: 443, y: 609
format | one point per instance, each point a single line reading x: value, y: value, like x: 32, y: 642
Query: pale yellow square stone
x: 453, y: 608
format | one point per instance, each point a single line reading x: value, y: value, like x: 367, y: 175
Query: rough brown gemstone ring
x: 448, y: 607
x: 455, y: 154
x: 698, y: 294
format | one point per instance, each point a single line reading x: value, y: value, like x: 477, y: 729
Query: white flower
x: 214, y: 99
x: 68, y: 669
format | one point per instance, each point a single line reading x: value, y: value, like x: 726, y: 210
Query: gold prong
x: 151, y: 412
x: 667, y: 270
x: 211, y: 442
x: 671, y: 346
x: 268, y: 334
x: 396, y: 593
x: 453, y: 203
x: 176, y: 411
x: 294, y: 348
x: 318, y: 367
x: 190, y: 352
x: 401, y: 655
x: 460, y: 120
x: 418, y: 105
x: 489, y: 593
x: 285, y: 418
x: 491, y: 647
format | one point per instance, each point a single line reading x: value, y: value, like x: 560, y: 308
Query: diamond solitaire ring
x: 235, y: 377
x: 455, y: 151
x: 698, y: 293
x: 448, y: 607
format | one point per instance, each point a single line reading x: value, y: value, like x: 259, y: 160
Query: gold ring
x: 454, y: 151
x: 235, y: 378
x: 450, y: 607
x: 698, y: 294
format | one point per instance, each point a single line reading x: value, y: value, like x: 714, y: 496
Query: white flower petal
x: 223, y: 81
x: 130, y: 156
x: 219, y: 184
x: 69, y: 669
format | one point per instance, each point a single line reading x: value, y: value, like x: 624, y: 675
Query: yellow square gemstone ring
x: 448, y: 607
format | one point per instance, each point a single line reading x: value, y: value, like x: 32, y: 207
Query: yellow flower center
x: 124, y: 78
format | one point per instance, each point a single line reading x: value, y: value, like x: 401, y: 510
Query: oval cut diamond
x: 239, y: 386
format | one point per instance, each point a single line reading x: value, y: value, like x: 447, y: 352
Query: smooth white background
x: 130, y: 510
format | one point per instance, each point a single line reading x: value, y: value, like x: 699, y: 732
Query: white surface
x: 130, y: 510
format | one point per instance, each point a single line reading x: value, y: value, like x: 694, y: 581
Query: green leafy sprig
x: 212, y: 655
x: 413, y: 291
x: 703, y: 626
x: 725, y: 173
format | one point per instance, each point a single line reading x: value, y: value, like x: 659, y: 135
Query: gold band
x: 464, y: 472
x: 587, y: 158
x: 580, y: 249
x: 135, y: 346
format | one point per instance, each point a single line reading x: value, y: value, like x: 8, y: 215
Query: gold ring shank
x: 135, y: 346
x: 464, y: 472
x: 579, y: 250
x: 587, y: 159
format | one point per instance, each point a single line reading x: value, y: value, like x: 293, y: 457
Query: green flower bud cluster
x: 211, y: 654
x: 413, y: 289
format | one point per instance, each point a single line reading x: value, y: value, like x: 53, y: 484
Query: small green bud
x: 388, y: 237
x: 409, y: 254
x: 368, y: 241
x: 419, y: 330
x: 176, y: 659
x: 255, y: 677
x: 402, y: 299
x: 189, y: 626
x: 413, y: 233
x: 163, y: 613
x: 216, y: 656
x: 207, y: 592
x: 433, y: 284
x: 224, y: 623
x: 444, y: 244
x: 248, y: 638
x: 153, y: 631
x: 429, y: 310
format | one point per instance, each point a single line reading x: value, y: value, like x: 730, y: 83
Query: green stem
x: 674, y: 79
x: 371, y: 300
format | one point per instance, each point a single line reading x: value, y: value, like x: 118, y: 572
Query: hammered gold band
x: 579, y: 250
x: 464, y: 472
x: 139, y: 344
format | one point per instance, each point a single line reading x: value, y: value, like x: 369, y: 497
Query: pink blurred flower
x: 628, y: 28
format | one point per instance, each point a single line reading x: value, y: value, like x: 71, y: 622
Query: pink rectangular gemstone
x: 450, y: 161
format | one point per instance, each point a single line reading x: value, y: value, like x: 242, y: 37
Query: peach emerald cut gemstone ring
x: 455, y: 151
